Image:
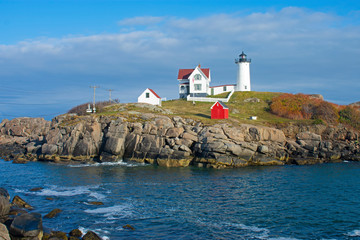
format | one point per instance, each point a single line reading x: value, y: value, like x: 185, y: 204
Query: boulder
x: 190, y: 136
x: 4, y: 193
x: 16, y: 211
x: 4, y: 233
x: 96, y: 203
x: 174, y: 132
x: 235, y: 134
x: 49, y: 149
x: 90, y: 235
x: 18, y: 201
x: 4, y: 206
x: 58, y: 235
x: 128, y: 226
x: 115, y: 146
x: 263, y: 149
x: 36, y: 189
x: 53, y: 213
x: 308, y: 136
x: 75, y: 233
x: 27, y: 225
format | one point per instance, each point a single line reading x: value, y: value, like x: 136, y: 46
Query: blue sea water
x: 280, y: 202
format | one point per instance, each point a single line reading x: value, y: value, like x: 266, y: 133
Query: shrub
x: 350, y: 116
x: 325, y: 111
x: 292, y: 106
x: 81, y: 109
x: 301, y: 106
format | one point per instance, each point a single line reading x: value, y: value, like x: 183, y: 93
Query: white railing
x: 207, y: 99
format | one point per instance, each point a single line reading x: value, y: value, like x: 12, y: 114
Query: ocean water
x: 280, y: 202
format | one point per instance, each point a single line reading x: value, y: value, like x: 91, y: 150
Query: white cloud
x: 291, y: 50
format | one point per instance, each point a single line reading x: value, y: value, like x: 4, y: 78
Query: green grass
x: 239, y: 111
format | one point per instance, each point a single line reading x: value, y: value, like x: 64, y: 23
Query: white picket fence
x: 207, y: 99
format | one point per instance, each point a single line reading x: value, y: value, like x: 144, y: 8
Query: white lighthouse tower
x: 243, y: 74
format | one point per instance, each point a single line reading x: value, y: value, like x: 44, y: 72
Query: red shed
x: 219, y: 111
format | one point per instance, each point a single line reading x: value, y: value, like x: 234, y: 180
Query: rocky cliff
x: 172, y: 142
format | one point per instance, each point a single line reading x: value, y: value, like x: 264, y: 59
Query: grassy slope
x: 239, y: 111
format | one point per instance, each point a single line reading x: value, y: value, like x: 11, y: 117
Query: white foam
x: 97, y: 231
x: 97, y: 195
x: 66, y: 191
x: 112, y: 213
x: 261, y: 233
x: 355, y: 233
x: 19, y: 190
x: 118, y: 163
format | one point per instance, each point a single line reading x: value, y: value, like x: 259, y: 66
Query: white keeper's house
x: 196, y: 82
x: 149, y: 96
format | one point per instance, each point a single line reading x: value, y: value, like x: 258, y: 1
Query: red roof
x: 154, y: 93
x: 185, y: 73
x: 221, y: 105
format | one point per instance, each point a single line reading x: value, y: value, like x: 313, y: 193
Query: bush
x: 350, y: 116
x: 292, y: 106
x: 81, y: 109
x: 301, y: 106
x: 326, y: 112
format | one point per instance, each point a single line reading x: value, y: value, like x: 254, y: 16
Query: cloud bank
x: 292, y: 50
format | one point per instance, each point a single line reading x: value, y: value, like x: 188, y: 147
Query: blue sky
x: 52, y: 51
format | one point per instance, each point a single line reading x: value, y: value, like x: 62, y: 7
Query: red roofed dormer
x: 185, y: 73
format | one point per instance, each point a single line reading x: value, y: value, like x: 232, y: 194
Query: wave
x: 118, y: 163
x: 261, y: 233
x: 97, y: 231
x: 97, y: 195
x: 249, y: 232
x: 113, y: 212
x: 355, y: 233
x: 56, y: 191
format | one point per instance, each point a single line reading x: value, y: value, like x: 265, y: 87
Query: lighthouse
x: 243, y: 74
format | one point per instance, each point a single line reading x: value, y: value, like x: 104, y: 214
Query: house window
x: 245, y: 87
x: 147, y: 95
x: 197, y: 87
x: 224, y: 88
x: 197, y: 77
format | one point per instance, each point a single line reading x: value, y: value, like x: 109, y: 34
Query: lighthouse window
x: 245, y: 87
x: 197, y: 87
x: 197, y: 77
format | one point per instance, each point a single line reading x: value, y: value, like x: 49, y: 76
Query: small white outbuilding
x: 149, y: 96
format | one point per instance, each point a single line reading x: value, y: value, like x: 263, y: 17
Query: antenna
x: 110, y: 90
x: 94, y: 87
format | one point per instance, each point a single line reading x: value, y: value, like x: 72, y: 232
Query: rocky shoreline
x: 18, y: 221
x: 172, y: 142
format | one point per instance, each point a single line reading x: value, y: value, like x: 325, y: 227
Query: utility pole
x: 110, y: 90
x: 94, y: 87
